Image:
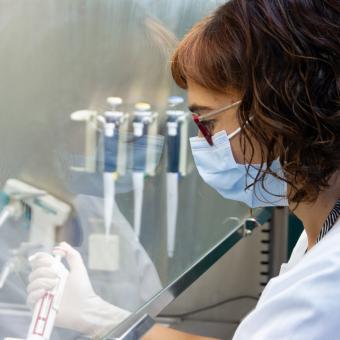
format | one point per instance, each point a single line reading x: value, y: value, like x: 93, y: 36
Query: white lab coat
x: 303, y: 302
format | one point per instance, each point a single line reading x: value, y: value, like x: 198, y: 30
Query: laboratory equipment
x: 177, y: 137
x: 113, y: 121
x: 104, y: 248
x: 144, y: 129
x: 114, y: 125
x: 44, y: 212
x: 9, y: 208
x: 46, y: 309
x: 78, y: 305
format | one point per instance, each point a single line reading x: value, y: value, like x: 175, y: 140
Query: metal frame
x: 143, y: 319
x: 278, y: 252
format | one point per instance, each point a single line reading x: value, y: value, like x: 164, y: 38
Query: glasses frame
x: 198, y: 119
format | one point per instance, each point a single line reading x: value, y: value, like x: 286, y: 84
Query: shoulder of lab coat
x: 297, y: 253
x: 304, y: 301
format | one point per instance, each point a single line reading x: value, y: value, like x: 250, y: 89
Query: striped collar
x: 329, y: 222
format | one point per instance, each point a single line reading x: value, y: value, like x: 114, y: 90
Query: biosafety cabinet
x: 94, y: 151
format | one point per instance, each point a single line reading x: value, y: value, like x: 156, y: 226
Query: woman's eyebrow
x: 194, y: 108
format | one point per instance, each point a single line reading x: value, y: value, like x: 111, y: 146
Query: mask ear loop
x: 238, y: 130
x: 233, y: 134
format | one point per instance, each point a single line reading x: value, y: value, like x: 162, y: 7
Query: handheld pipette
x: 143, y: 119
x: 177, y: 143
x: 113, y: 120
x: 46, y: 212
x: 9, y: 208
x: 46, y: 309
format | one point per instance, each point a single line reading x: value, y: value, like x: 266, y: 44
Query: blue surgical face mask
x: 218, y: 168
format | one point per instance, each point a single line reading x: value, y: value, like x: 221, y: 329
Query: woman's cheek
x: 247, y: 157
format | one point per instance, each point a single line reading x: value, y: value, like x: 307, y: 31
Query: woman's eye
x: 209, y: 124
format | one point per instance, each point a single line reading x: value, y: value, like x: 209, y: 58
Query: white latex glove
x: 81, y: 308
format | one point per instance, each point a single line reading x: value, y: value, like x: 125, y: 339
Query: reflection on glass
x: 95, y: 153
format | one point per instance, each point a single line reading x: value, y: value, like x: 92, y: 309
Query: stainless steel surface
x: 278, y: 240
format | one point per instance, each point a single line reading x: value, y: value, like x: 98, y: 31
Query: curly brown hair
x: 284, y: 58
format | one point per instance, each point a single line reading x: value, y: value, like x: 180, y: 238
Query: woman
x: 263, y: 82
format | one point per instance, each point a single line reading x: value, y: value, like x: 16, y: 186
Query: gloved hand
x: 81, y: 308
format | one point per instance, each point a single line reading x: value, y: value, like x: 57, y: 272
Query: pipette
x: 46, y: 309
x: 9, y: 208
x: 176, y: 142
x: 112, y: 120
x: 143, y: 119
x: 46, y: 213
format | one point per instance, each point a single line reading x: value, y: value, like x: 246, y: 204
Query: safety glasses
x: 199, y: 120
